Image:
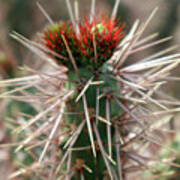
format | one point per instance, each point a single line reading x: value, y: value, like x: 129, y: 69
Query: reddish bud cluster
x: 93, y: 46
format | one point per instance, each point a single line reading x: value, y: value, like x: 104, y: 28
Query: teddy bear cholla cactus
x: 94, y: 116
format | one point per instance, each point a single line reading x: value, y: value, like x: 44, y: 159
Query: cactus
x: 95, y: 115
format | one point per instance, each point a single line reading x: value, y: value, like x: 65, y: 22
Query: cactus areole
x: 91, y: 47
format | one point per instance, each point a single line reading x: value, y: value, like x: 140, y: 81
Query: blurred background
x: 24, y: 17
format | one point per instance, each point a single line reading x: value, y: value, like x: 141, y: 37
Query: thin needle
x: 72, y: 17
x: 70, y: 55
x: 108, y: 127
x: 119, y: 165
x: 97, y: 104
x: 92, y: 10
x: 76, y: 10
x: 45, y: 13
x: 89, y: 124
x: 53, y: 131
x: 114, y: 12
x: 103, y: 151
x: 59, y: 118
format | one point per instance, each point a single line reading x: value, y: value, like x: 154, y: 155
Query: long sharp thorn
x: 149, y: 19
x: 125, y: 44
x: 92, y: 13
x: 115, y: 9
x: 89, y: 125
x: 69, y: 165
x: 70, y: 146
x: 118, y: 154
x: 97, y: 104
x: 84, y: 89
x: 76, y: 10
x: 58, y: 120
x: 146, y: 39
x: 130, y: 113
x: 82, y: 176
x: 160, y: 53
x: 38, y: 132
x: 45, y: 13
x: 135, y: 39
x: 150, y: 45
x: 103, y: 151
x: 34, y: 49
x: 74, y: 136
x: 76, y: 27
x: 36, y: 118
x: 108, y: 127
x: 53, y: 131
x: 70, y: 55
x: 152, y: 63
